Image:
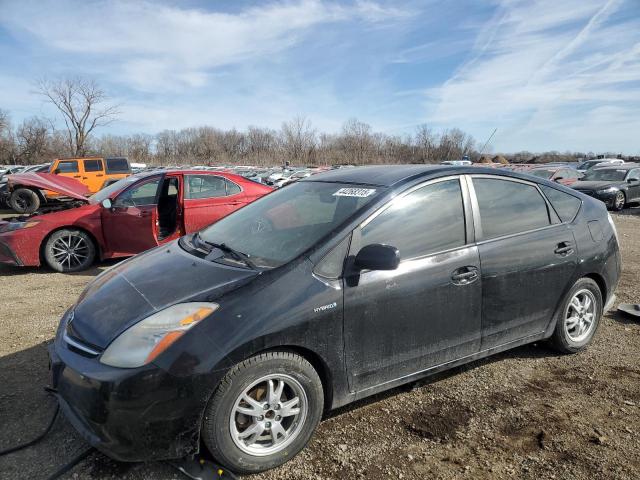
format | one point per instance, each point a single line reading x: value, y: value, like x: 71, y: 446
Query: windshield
x: 114, y: 187
x: 278, y: 227
x: 608, y: 174
x: 542, y: 173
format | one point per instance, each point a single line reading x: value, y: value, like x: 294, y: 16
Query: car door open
x: 130, y: 225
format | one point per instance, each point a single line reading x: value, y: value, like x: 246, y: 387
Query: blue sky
x: 561, y: 75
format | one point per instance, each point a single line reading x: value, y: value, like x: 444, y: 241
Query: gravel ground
x: 528, y: 413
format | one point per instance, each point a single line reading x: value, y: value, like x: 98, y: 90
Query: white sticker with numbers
x: 355, y: 192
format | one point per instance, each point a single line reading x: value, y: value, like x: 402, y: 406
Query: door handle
x: 99, y: 175
x: 464, y: 275
x: 144, y: 214
x: 76, y: 176
x: 564, y: 248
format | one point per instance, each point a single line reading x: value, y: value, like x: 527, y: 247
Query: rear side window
x: 508, y: 207
x: 67, y: 167
x: 565, y: 205
x: 118, y: 165
x: 425, y: 221
x: 205, y: 186
x: 232, y: 188
x: 93, y: 165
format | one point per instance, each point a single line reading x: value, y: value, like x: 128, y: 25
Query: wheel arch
x: 316, y: 361
x: 602, y: 285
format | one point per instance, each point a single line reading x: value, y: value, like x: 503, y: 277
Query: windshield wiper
x: 243, y: 257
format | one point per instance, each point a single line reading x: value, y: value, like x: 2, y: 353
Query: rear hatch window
x: 117, y: 165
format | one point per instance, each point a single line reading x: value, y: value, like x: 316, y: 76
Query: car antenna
x: 488, y: 140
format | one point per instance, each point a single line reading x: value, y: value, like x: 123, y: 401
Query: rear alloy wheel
x: 619, y: 201
x: 579, y: 317
x: 264, y: 412
x: 24, y: 200
x: 69, y: 251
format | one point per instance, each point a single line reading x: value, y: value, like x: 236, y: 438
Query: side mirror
x: 106, y: 203
x: 377, y: 257
x: 56, y: 171
x: 632, y: 180
x: 557, y: 179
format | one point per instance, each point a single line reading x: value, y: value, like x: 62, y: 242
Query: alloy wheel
x: 580, y: 315
x: 70, y: 251
x: 268, y: 415
x: 619, y: 201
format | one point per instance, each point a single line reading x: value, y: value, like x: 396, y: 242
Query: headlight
x: 11, y: 226
x: 607, y: 190
x: 147, y: 339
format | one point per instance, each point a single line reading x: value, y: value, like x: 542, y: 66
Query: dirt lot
x: 527, y: 414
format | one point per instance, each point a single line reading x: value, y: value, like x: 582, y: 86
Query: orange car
x: 95, y: 173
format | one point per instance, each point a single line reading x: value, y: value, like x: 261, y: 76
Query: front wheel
x: 264, y: 412
x: 579, y: 317
x: 619, y: 201
x: 24, y: 200
x: 69, y: 251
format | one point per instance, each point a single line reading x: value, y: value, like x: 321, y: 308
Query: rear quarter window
x: 117, y: 165
x: 565, y: 205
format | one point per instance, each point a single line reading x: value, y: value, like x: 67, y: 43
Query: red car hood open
x: 65, y: 186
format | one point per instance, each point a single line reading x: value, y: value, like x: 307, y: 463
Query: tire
x: 571, y: 334
x: 24, y: 200
x: 223, y: 423
x: 619, y: 202
x: 69, y: 251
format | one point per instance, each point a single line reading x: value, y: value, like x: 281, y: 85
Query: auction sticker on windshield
x: 355, y: 192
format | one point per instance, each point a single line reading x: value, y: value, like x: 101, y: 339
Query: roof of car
x: 381, y: 175
x: 622, y: 166
x: 389, y: 175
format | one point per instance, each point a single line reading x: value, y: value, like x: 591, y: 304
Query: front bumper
x: 138, y: 414
x: 608, y: 199
x: 8, y: 256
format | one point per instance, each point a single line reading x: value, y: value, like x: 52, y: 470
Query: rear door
x: 130, y: 225
x: 208, y: 198
x: 528, y: 258
x: 93, y: 174
x: 426, y: 312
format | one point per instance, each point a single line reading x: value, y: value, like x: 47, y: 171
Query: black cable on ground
x: 69, y: 465
x: 35, y: 440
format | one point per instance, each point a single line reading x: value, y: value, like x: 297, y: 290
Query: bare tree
x: 7, y: 142
x: 299, y: 140
x: 84, y: 107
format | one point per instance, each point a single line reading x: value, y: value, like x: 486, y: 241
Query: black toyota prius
x: 331, y: 289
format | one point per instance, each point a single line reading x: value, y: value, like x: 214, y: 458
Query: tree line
x: 84, y: 107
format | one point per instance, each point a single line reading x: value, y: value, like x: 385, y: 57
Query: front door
x: 130, y: 225
x: 633, y: 179
x: 425, y: 313
x: 528, y: 257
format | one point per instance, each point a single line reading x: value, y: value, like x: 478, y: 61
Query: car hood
x: 56, y: 183
x: 594, y: 185
x: 146, y: 284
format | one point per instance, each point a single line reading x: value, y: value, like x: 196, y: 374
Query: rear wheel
x: 264, y: 412
x: 69, y: 251
x: 24, y: 200
x: 579, y: 317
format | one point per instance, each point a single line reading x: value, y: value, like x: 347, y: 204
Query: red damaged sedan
x: 126, y: 218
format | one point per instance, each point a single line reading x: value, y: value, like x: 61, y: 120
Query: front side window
x: 427, y: 220
x: 276, y: 228
x: 67, y: 167
x: 634, y: 175
x: 508, y: 207
x: 142, y: 194
x: 93, y: 165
